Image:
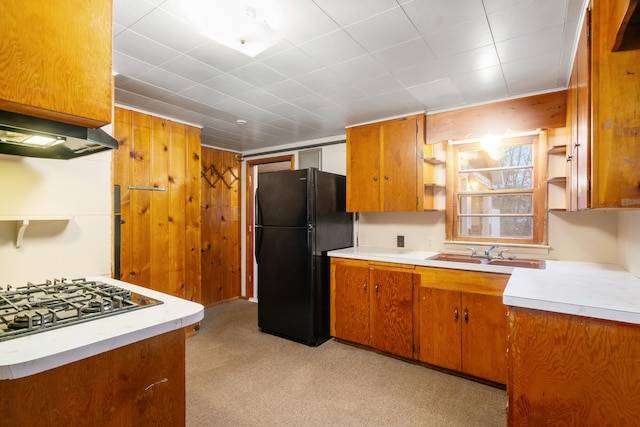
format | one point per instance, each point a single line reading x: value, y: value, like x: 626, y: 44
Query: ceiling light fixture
x: 490, y: 143
x: 250, y: 27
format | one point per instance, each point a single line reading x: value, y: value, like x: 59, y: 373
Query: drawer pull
x: 455, y: 314
x: 466, y: 315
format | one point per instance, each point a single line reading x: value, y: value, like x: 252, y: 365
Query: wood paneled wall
x: 160, y: 246
x: 221, y: 251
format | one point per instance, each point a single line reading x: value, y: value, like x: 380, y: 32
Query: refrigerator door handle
x: 258, y: 226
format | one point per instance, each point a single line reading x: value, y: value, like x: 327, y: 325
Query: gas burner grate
x: 36, y: 308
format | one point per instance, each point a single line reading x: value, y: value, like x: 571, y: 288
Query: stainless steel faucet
x: 487, y: 253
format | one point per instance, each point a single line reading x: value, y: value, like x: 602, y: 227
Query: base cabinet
x: 373, y: 306
x: 571, y: 370
x: 449, y: 318
x: 464, y: 332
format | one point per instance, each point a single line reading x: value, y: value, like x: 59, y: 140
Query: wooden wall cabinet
x: 384, y: 165
x: 604, y: 88
x: 57, y: 60
x: 571, y: 370
x: 373, y: 305
x: 462, y: 323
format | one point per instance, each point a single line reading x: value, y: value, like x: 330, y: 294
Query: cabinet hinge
x: 589, y: 186
x: 588, y: 18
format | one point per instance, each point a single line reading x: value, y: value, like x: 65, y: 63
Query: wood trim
x: 249, y: 218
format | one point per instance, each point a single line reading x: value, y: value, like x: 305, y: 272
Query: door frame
x: 250, y: 219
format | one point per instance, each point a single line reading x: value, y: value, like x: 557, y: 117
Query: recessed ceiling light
x: 241, y: 122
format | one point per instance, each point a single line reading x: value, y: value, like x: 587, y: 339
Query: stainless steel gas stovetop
x: 39, y: 307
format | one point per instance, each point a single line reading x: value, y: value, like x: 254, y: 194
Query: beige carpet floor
x: 238, y: 376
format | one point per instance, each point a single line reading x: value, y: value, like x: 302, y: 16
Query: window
x: 498, y: 196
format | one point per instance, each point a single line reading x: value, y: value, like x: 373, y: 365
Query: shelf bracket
x: 21, y: 226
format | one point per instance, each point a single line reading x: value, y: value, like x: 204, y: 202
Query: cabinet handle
x: 365, y: 287
x: 569, y: 158
x: 376, y: 288
x: 375, y: 178
x: 455, y: 314
x: 466, y: 315
x: 577, y: 144
x: 386, y: 178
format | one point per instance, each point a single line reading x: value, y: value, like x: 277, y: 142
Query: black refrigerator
x: 300, y: 215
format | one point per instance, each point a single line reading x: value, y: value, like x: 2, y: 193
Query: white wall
x: 79, y: 188
x: 629, y: 240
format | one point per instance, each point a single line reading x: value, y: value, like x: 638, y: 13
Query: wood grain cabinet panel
x: 573, y: 371
x: 463, y: 331
x: 384, y: 166
x: 352, y: 303
x: 373, y: 306
x: 56, y: 60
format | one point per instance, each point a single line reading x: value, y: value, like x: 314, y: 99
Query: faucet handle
x: 473, y: 250
x: 501, y: 252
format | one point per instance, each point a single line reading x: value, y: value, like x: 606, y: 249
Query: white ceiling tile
x: 306, y: 22
x: 359, y: 68
x: 312, y: 102
x: 495, y: 5
x: 166, y: 29
x: 342, y: 94
x: 165, y: 79
x: 348, y: 12
x: 482, y: 85
x: 399, y: 102
x: 476, y: 59
x: 533, y: 44
x: 219, y: 56
x: 526, y: 18
x: 191, y: 69
x: 126, y: 13
x: 333, y: 48
x: 380, y: 84
x: 260, y: 98
x: 438, y: 95
x: 460, y: 38
x: 142, y: 48
x: 320, y: 80
x: 258, y: 74
x: 204, y: 95
x: 384, y: 30
x: 532, y: 74
x: 124, y: 64
x: 403, y: 55
x: 292, y: 62
x: 229, y: 85
x: 419, y: 74
x: 431, y: 16
x: 287, y: 90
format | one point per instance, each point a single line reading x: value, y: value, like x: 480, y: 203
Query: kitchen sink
x: 521, y: 263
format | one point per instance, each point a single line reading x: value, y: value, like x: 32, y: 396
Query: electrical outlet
x: 400, y: 242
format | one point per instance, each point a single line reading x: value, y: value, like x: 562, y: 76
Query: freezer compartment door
x: 283, y: 198
x: 285, y: 283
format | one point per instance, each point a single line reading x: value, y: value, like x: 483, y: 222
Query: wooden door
x: 440, y: 320
x: 351, y: 303
x: 484, y: 336
x: 363, y: 168
x: 392, y: 311
x: 398, y: 165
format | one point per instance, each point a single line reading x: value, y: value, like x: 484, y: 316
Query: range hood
x: 22, y: 135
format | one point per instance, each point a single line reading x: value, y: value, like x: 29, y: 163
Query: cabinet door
x: 440, y: 319
x: 580, y: 150
x: 398, y: 165
x: 391, y: 312
x: 363, y: 168
x: 56, y: 60
x: 352, y: 303
x: 484, y: 337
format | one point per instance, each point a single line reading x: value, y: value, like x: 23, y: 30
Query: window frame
x: 539, y: 141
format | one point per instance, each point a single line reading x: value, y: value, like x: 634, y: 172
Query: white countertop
x: 603, y: 291
x: 32, y: 354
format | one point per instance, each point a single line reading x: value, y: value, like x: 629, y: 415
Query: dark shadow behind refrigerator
x: 300, y: 215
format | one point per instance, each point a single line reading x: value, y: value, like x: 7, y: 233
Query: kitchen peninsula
x: 124, y: 369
